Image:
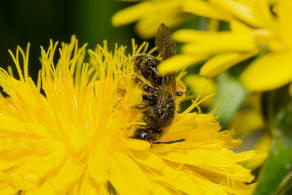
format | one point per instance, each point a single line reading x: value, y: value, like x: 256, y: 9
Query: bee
x: 159, y: 99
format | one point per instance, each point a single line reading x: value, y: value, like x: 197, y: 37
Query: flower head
x: 68, y: 133
x: 258, y: 28
x: 150, y: 14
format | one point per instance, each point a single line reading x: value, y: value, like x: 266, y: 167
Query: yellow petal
x: 187, y: 35
x: 181, y: 180
x: 130, y: 14
x: 239, y: 27
x: 222, y: 62
x: 66, y: 175
x: 269, y: 72
x: 262, y: 147
x: 262, y: 11
x: 239, y: 10
x: 186, y: 184
x: 204, y: 8
x: 245, y: 156
x: 85, y: 186
x: 245, y: 121
x: 123, y: 165
x: 179, y: 62
x: 207, y: 158
x: 96, y: 164
x: 149, y: 16
x: 137, y: 144
x: 170, y: 16
x: 9, y: 190
x: 202, y: 86
x: 285, y: 15
x: 149, y: 160
x: 147, y: 26
x: 222, y: 42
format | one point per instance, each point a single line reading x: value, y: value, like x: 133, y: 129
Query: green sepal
x: 229, y: 97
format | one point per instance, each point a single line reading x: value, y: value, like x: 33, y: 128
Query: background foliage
x: 37, y: 22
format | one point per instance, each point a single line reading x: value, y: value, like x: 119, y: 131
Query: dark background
x: 38, y: 21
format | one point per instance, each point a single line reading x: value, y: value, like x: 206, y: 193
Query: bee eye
x: 141, y: 134
x: 179, y: 93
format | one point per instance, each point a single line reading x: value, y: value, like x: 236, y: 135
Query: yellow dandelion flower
x: 69, y: 133
x: 257, y: 28
x: 247, y: 121
x: 149, y: 14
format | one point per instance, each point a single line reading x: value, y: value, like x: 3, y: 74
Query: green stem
x: 278, y: 165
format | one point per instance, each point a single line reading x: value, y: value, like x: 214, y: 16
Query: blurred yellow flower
x: 263, y: 147
x: 149, y: 14
x: 248, y: 124
x: 69, y: 133
x: 249, y: 117
x: 257, y: 28
x: 202, y: 87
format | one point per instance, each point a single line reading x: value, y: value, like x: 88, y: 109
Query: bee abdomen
x: 151, y: 100
x: 159, y: 116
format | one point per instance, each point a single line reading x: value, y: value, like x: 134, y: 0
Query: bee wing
x: 168, y: 88
x: 165, y: 45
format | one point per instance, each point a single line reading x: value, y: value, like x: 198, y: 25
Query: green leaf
x: 93, y: 23
x: 278, y: 164
x: 277, y: 112
x: 229, y: 97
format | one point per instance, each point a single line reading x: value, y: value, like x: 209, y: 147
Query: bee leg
x: 145, y: 86
x: 141, y: 106
x: 149, y: 89
x: 170, y: 142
